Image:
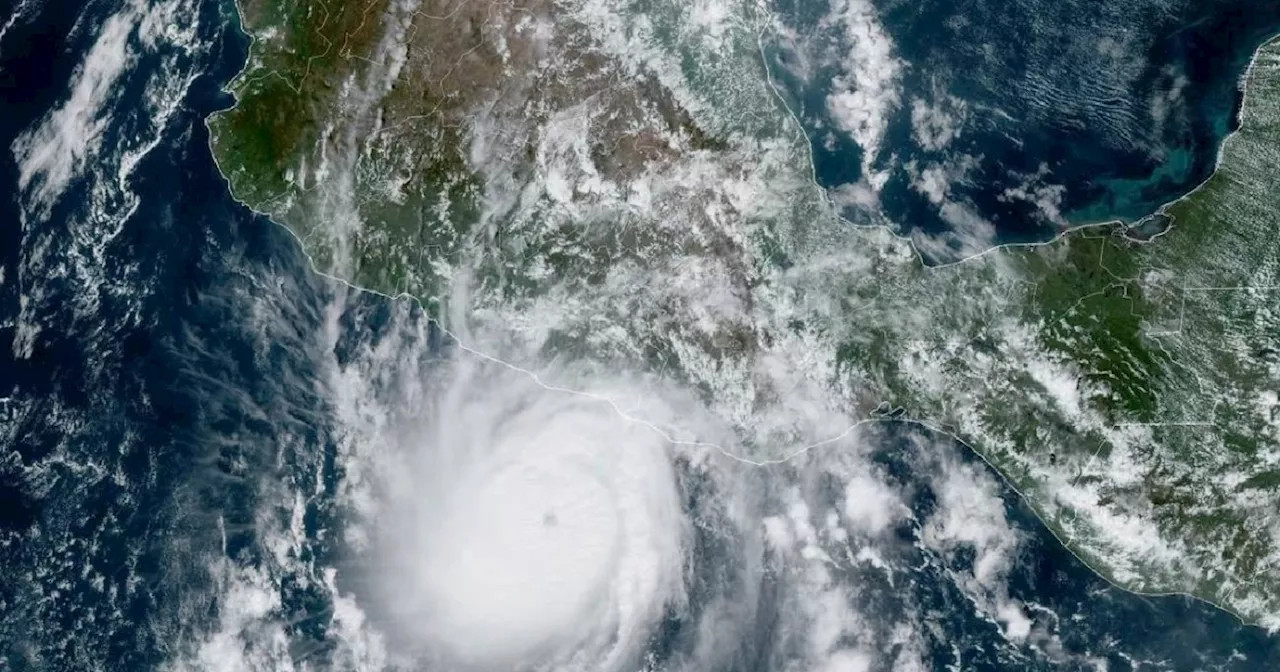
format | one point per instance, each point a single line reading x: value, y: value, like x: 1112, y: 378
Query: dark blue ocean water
x: 1108, y: 110
x: 171, y: 384
x: 1092, y: 619
x: 137, y: 428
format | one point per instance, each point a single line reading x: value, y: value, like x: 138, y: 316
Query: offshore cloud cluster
x: 531, y: 527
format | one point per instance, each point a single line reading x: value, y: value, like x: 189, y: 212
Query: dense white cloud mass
x: 532, y: 527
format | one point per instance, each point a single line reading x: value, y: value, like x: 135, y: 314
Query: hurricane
x: 529, y: 525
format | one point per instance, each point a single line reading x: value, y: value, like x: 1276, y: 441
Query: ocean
x: 1009, y: 122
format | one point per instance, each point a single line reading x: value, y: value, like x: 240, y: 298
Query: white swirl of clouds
x: 527, y: 528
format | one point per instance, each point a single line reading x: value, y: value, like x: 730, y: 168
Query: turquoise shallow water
x: 1102, y: 110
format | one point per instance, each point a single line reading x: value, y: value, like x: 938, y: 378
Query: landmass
x: 618, y: 182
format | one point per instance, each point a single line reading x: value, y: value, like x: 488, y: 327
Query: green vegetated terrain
x: 302, y: 144
x: 291, y: 84
x: 1131, y: 390
x: 1173, y: 344
x: 354, y: 126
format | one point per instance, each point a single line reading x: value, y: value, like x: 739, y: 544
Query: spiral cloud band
x: 535, y: 528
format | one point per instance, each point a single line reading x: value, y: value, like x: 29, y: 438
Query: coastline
x: 1064, y: 235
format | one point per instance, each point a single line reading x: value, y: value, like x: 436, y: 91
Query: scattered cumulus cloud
x: 870, y: 504
x: 935, y: 126
x: 1047, y: 198
x: 865, y: 92
x: 56, y: 150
